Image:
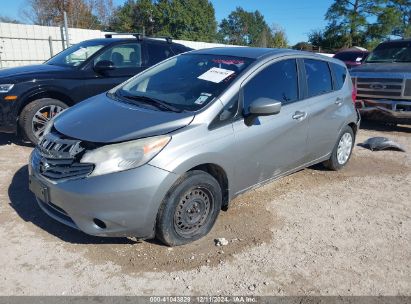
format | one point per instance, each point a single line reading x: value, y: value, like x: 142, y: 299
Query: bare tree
x: 90, y: 14
x: 103, y: 9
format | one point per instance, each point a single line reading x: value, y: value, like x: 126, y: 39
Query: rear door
x: 275, y: 144
x: 326, y: 101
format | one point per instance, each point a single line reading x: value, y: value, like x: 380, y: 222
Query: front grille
x: 63, y: 168
x: 380, y: 80
x: 59, y: 158
x: 407, y: 90
x: 380, y: 87
x: 379, y: 94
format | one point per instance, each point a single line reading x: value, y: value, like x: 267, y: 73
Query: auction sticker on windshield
x: 215, y: 75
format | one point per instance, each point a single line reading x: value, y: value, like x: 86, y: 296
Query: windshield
x: 75, y: 55
x: 186, y: 82
x: 391, y: 52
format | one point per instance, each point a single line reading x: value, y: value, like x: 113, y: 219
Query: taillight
x: 354, y: 94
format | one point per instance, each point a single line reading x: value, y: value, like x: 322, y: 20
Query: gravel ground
x: 315, y: 232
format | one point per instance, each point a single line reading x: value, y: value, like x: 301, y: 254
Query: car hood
x: 101, y: 119
x: 24, y: 71
x: 390, y: 68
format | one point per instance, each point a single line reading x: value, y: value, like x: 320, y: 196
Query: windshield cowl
x: 146, y: 100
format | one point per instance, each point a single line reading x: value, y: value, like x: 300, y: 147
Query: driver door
x: 127, y: 60
x: 274, y: 144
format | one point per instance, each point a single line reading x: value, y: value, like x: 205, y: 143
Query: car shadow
x: 381, y: 126
x: 8, y: 139
x: 24, y: 203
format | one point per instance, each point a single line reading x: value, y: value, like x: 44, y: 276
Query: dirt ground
x: 315, y: 232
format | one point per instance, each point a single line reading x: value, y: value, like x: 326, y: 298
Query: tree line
x: 362, y: 23
x: 350, y: 22
x: 181, y: 19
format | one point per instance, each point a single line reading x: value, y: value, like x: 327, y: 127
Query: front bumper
x: 391, y: 111
x: 126, y: 202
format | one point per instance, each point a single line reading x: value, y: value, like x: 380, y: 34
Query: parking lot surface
x: 315, y: 232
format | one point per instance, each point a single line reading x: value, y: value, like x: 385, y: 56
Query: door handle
x: 338, y: 101
x: 299, y: 115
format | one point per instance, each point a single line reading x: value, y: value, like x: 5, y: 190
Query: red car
x: 352, y: 58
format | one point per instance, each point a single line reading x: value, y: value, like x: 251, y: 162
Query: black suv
x: 31, y: 95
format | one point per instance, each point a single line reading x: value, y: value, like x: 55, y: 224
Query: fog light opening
x: 99, y: 223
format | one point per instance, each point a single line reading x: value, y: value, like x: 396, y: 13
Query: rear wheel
x: 190, y: 209
x: 36, y: 115
x: 342, y: 150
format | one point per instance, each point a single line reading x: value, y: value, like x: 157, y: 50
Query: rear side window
x: 279, y: 81
x: 158, y: 52
x: 340, y: 73
x: 178, y: 49
x: 318, y: 77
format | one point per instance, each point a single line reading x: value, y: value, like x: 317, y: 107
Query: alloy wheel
x: 42, y: 117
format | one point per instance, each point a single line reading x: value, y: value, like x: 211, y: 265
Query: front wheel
x: 342, y: 150
x: 36, y: 115
x: 190, y: 209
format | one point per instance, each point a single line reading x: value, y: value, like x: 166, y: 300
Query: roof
x: 257, y: 53
x: 130, y: 39
x: 246, y: 52
x: 397, y: 40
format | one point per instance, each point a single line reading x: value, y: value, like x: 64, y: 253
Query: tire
x: 35, y: 114
x: 335, y: 162
x: 177, y: 221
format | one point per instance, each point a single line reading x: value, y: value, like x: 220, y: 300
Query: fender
x: 42, y: 91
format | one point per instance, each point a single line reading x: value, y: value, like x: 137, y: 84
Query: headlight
x: 5, y: 88
x: 124, y: 156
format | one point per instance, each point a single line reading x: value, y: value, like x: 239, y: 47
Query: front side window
x: 75, y: 55
x: 123, y: 55
x: 186, y: 82
x: 318, y: 77
x: 278, y: 81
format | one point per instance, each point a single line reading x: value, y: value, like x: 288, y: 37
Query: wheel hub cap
x: 344, y: 148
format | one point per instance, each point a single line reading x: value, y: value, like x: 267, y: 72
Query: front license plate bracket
x: 40, y: 190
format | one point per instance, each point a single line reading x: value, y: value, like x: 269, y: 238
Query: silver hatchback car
x: 161, y: 154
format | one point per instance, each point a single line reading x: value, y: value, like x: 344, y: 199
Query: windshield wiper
x: 153, y: 101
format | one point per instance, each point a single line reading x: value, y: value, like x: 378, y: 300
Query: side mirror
x: 103, y: 66
x: 264, y: 107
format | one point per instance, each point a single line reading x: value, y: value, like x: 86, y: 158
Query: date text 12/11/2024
x: 204, y: 299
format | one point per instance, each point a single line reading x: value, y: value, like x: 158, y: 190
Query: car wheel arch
x: 354, y: 128
x: 54, y: 94
x: 215, y: 170
x: 220, y: 175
